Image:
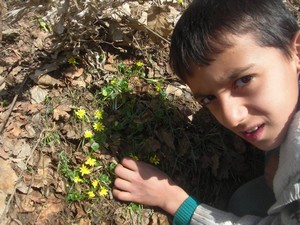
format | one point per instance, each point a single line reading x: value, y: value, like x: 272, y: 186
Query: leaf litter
x: 62, y: 56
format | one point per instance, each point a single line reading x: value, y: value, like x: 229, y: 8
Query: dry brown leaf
x: 14, y: 129
x: 173, y: 90
x: 79, y: 211
x: 24, y: 204
x: 51, y: 209
x: 110, y: 58
x: 159, y: 219
x: 30, y: 132
x: 110, y: 68
x: 70, y: 132
x: 2, y: 202
x: 85, y: 221
x: 21, y: 149
x: 3, y: 154
x: 27, y: 205
x: 157, y: 20
x: 61, y: 112
x: 8, y: 175
x: 79, y: 83
x: 33, y: 108
x: 47, y: 80
x: 37, y: 197
x: 74, y: 72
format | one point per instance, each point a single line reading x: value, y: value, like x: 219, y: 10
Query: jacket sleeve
x: 285, y: 211
x: 288, y: 215
x: 207, y: 215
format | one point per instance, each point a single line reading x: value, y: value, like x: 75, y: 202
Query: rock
x: 38, y: 94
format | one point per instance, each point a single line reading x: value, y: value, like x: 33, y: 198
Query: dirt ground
x: 146, y: 113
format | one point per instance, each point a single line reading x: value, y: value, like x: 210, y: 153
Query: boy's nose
x: 233, y: 112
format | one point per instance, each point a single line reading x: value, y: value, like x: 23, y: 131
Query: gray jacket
x: 286, y: 186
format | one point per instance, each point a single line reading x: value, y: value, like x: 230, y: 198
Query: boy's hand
x: 271, y: 166
x: 143, y: 183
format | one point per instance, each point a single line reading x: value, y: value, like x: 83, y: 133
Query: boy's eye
x: 207, y: 100
x: 243, y: 81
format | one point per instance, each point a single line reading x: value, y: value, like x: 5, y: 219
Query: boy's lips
x: 253, y: 134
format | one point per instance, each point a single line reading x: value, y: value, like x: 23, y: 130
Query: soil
x: 40, y: 92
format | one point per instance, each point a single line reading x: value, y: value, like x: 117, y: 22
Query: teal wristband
x: 184, y: 213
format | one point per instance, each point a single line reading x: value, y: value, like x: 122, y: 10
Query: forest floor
x: 68, y: 114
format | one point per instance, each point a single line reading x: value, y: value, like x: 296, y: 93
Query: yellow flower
x: 91, y: 194
x: 158, y: 87
x: 95, y: 183
x: 90, y: 161
x: 80, y: 113
x: 139, y: 64
x: 180, y: 2
x: 84, y: 170
x: 88, y: 134
x: 98, y: 126
x: 103, y: 191
x: 77, y: 179
x: 134, y: 157
x: 113, y: 82
x: 154, y: 160
x: 98, y: 114
x: 72, y: 61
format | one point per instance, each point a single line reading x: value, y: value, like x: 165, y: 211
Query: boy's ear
x: 296, y: 48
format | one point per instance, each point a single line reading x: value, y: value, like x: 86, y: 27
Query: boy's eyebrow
x: 233, y: 75
x: 237, y: 71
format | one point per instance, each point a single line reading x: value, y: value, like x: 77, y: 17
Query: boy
x: 241, y: 60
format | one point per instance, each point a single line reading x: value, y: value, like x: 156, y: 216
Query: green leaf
x: 104, y: 92
x: 112, y: 167
x: 95, y: 146
x: 105, y: 179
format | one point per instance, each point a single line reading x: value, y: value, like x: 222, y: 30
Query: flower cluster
x: 154, y: 160
x: 95, y: 187
x: 97, y: 123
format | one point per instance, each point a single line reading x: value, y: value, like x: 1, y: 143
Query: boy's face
x: 251, y: 90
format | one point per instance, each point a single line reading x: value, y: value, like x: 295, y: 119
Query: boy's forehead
x: 241, y: 46
x: 241, y: 57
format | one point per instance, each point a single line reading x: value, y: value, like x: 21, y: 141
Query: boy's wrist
x: 175, y: 198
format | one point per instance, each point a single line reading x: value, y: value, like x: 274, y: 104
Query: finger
x: 130, y: 164
x: 123, y: 172
x: 122, y: 195
x: 122, y: 185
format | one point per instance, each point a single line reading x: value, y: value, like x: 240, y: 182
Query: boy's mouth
x: 252, y: 130
x: 253, y: 133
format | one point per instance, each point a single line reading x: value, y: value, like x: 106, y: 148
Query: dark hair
x: 202, y: 30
